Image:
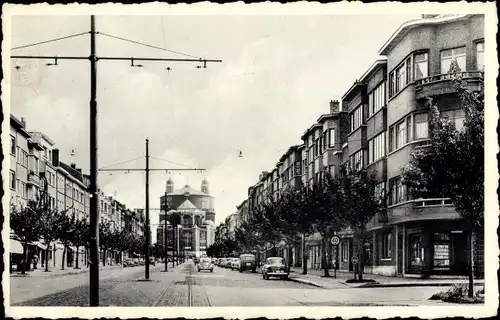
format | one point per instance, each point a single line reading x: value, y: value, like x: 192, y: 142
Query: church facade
x: 190, y: 219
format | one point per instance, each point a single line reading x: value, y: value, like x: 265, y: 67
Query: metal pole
x: 94, y: 203
x: 173, y: 241
x: 165, y: 233
x: 147, y: 210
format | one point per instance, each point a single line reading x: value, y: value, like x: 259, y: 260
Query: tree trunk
x: 63, y: 257
x: 47, y: 257
x: 471, y: 263
x: 77, y: 254
x: 324, y: 261
x: 359, y: 253
x: 25, y: 258
x: 304, y: 254
x: 104, y: 257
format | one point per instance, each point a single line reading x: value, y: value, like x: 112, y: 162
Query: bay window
x: 379, y: 192
x: 421, y: 126
x: 376, y: 99
x: 480, y: 55
x: 356, y: 160
x: 376, y: 148
x: 456, y: 116
x: 400, y: 134
x: 397, y: 191
x: 421, y: 66
x: 450, y: 55
x: 356, y: 118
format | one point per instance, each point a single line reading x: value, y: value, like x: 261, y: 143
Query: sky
x: 277, y: 76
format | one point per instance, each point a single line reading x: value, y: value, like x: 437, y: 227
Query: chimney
x: 334, y: 106
x: 73, y: 166
x: 23, y: 121
x: 55, y: 157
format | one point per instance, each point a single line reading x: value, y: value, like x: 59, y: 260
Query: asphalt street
x: 185, y: 286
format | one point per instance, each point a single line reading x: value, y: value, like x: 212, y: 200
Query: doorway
x: 400, y: 254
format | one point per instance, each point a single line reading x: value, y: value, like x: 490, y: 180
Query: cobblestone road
x: 185, y: 286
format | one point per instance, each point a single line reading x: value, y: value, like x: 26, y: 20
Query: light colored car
x: 228, y: 262
x: 275, y: 267
x: 205, y: 264
x: 235, y: 264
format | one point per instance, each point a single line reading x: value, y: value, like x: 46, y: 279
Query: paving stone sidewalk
x: 316, y: 278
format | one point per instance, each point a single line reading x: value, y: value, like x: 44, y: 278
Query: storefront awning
x: 15, y: 246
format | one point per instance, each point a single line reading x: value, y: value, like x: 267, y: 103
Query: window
x: 12, y: 180
x: 379, y: 192
x: 356, y: 118
x: 376, y: 148
x: 452, y: 55
x: 480, y: 55
x: 356, y: 160
x: 22, y: 190
x: 457, y: 116
x: 12, y: 145
x: 400, y: 135
x: 400, y: 77
x: 331, y: 138
x: 298, y: 170
x: 392, y: 84
x: 398, y: 191
x: 376, y: 99
x: 387, y: 246
x: 421, y: 66
x: 441, y: 250
x: 421, y: 126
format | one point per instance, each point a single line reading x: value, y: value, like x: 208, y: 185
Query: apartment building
x: 19, y: 169
x: 384, y: 117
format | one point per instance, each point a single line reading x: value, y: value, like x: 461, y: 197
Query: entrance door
x: 400, y: 253
x: 416, y: 253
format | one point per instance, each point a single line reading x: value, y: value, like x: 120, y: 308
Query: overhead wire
x: 50, y: 40
x: 126, y: 161
x: 171, y: 162
x: 148, y: 45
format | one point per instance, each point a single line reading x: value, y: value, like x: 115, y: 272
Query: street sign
x: 354, y: 260
x: 335, y: 240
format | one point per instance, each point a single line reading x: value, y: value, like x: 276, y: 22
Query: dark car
x: 275, y: 267
x: 248, y: 262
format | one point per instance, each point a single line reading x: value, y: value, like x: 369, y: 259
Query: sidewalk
x: 54, y: 271
x: 315, y: 278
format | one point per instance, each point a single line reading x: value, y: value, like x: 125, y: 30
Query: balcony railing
x: 440, y: 83
x: 33, y: 179
x: 438, y: 208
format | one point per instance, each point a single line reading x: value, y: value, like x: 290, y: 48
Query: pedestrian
x: 35, y: 262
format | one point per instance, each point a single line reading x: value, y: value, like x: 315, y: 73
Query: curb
x: 394, y: 285
x: 311, y: 283
x: 49, y: 275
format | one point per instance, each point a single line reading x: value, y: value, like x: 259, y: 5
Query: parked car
x: 275, y: 267
x: 205, y: 264
x: 235, y: 264
x: 196, y: 260
x: 228, y: 262
x: 129, y: 263
x: 152, y: 261
x: 248, y: 262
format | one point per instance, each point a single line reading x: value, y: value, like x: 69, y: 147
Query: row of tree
x: 452, y: 166
x: 36, y: 221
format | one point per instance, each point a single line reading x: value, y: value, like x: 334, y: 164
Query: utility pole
x: 94, y: 203
x: 147, y: 222
x: 148, y: 240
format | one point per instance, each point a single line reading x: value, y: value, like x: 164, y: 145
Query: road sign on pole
x: 335, y: 240
x: 354, y: 260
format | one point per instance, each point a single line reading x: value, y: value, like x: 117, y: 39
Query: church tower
x: 204, y: 186
x: 170, y: 186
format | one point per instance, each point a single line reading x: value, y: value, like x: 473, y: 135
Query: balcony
x: 422, y: 209
x: 442, y: 84
x: 33, y: 179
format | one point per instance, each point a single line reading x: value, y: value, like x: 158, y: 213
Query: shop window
x: 387, y: 246
x: 441, y: 251
x: 416, y: 250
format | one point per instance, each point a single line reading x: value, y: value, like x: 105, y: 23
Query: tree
x: 50, y: 230
x: 26, y: 223
x: 105, y: 239
x: 81, y: 237
x: 66, y: 233
x: 453, y: 166
x: 360, y: 205
x: 324, y: 209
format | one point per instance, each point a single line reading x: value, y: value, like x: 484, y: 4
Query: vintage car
x: 235, y: 265
x: 228, y: 263
x: 248, y: 262
x: 275, y: 267
x: 205, y: 264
